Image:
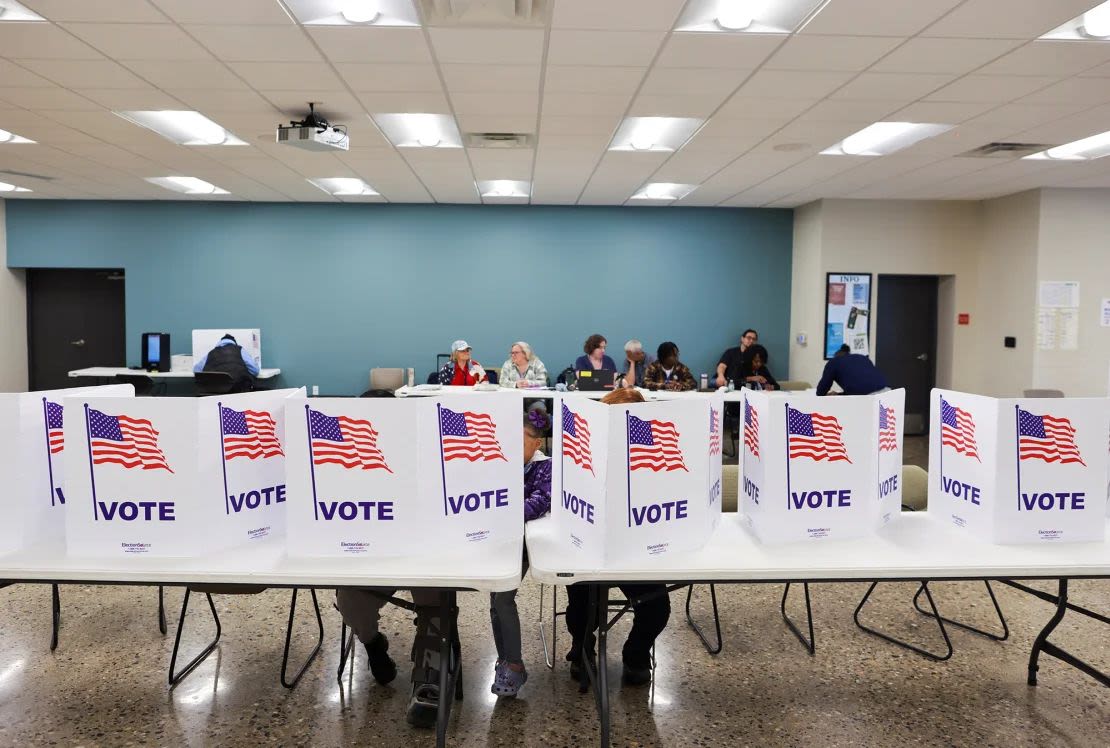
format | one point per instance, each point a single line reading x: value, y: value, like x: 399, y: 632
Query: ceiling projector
x: 313, y: 133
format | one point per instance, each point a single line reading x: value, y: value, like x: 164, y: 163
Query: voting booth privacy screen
x: 167, y: 477
x: 379, y: 477
x: 634, y: 481
x: 815, y: 468
x: 32, y: 460
x: 1020, y: 470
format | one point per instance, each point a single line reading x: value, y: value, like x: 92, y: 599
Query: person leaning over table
x: 668, y: 373
x: 636, y: 362
x: 595, y: 357
x: 753, y: 369
x: 854, y: 372
x: 649, y: 616
x: 524, y: 368
x: 461, y: 370
x: 228, y: 357
x: 728, y: 368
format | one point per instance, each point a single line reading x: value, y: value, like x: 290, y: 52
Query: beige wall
x: 13, y: 320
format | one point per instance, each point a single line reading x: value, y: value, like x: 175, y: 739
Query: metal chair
x: 382, y: 378
x: 1042, y: 393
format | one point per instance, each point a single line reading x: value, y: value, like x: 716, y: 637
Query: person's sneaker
x: 424, y: 706
x: 382, y: 666
x: 507, y: 682
x: 636, y: 676
x: 576, y: 671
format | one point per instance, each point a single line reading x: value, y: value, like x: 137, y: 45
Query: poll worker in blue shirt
x: 230, y: 358
x: 854, y: 372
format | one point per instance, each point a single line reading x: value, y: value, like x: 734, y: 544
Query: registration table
x: 265, y: 565
x: 107, y: 372
x: 916, y: 547
x: 549, y: 394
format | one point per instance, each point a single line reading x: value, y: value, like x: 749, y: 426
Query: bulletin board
x: 847, y: 312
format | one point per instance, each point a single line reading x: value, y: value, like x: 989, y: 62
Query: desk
x: 916, y: 547
x: 266, y: 564
x: 734, y: 396
x: 107, y: 372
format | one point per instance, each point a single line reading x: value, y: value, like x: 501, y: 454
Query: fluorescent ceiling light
x: 1087, y: 149
x: 748, y: 16
x: 508, y: 189
x: 354, y: 12
x: 664, y: 191
x: 10, y: 10
x: 883, y: 138
x: 654, y: 133
x: 1092, y: 25
x: 11, y: 138
x: 182, y: 127
x: 5, y: 187
x: 419, y: 130
x: 344, y: 186
x: 187, y: 185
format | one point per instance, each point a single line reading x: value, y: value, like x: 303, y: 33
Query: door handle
x: 922, y: 357
x: 78, y: 343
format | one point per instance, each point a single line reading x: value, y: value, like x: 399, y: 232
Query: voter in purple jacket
x: 510, y: 674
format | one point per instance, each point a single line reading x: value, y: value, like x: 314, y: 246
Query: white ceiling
x: 247, y: 65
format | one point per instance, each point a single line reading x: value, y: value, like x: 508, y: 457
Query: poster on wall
x: 847, y: 312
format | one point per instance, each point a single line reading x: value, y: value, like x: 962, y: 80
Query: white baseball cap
x: 460, y: 345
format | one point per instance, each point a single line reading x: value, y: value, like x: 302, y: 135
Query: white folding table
x: 107, y: 372
x: 916, y: 547
x: 266, y: 564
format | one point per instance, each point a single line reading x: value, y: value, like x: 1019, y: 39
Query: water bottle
x: 731, y: 386
x: 704, y: 382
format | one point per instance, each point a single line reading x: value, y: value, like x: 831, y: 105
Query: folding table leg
x: 289, y: 635
x: 1042, y: 644
x: 550, y: 653
x: 176, y: 678
x: 811, y: 643
x: 55, y: 615
x: 997, y: 609
x: 450, y: 663
x: 935, y: 616
x: 346, y: 650
x: 711, y: 648
x: 602, y: 685
x: 161, y: 610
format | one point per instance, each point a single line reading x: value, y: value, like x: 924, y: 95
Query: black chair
x: 213, y: 382
x: 492, y: 375
x: 433, y: 378
x: 144, y: 385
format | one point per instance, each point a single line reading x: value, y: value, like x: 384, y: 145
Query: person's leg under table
x: 361, y: 610
x: 650, y: 616
x: 578, y: 602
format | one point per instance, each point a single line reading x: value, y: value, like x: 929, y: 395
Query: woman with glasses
x: 523, y: 369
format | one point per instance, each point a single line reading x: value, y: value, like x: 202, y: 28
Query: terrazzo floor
x: 106, y: 683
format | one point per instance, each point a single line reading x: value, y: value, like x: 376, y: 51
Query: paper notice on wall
x: 1046, y: 329
x: 1068, y: 326
x: 1059, y: 294
x: 1104, y: 313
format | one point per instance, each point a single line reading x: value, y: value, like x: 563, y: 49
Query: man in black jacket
x: 230, y: 358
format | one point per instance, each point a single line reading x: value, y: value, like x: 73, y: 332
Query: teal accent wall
x: 338, y: 289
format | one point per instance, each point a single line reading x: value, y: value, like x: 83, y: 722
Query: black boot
x: 382, y: 666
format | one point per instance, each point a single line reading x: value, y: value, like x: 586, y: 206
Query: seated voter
x: 461, y: 370
x: 524, y: 368
x: 595, y: 357
x: 753, y: 369
x: 509, y: 674
x: 728, y: 368
x: 636, y: 362
x: 668, y: 373
x: 650, y: 615
x: 230, y: 358
x: 854, y: 372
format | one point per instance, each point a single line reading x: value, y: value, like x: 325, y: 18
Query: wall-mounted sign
x: 847, y: 312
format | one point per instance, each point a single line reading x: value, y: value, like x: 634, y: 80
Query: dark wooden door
x: 906, y: 341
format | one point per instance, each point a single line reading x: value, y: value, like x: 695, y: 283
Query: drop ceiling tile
x: 486, y: 122
x: 955, y: 56
x: 692, y: 81
x: 788, y: 84
x: 1102, y: 71
x: 378, y: 76
x: 284, y: 76
x: 104, y: 11
x: 197, y: 74
x: 362, y: 44
x: 139, y: 41
x: 491, y: 78
x: 1079, y: 90
x: 620, y: 48
x: 585, y: 105
x: 331, y: 104
x: 42, y: 41
x: 1017, y: 117
x: 613, y: 15
x: 710, y: 50
x: 720, y: 127
x: 592, y: 79
x: 257, y: 43
x: 86, y: 73
x: 131, y: 99
x: 831, y: 52
x: 14, y: 76
x: 578, y: 125
x: 896, y: 88
x: 1000, y: 88
x: 245, y: 12
x: 517, y: 105
x: 386, y: 102
x: 1007, y: 19
x: 942, y: 112
x: 488, y: 46
x: 214, y: 100
x: 892, y: 18
x: 489, y: 164
x: 1050, y: 58
x: 698, y: 107
x: 752, y: 107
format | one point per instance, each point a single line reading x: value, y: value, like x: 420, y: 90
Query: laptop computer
x: 596, y: 380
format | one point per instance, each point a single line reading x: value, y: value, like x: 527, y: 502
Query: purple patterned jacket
x: 537, y: 489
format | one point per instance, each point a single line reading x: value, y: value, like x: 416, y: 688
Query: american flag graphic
x: 54, y: 434
x: 653, y: 445
x: 1047, y: 438
x: 249, y: 433
x: 468, y: 436
x: 122, y: 440
x: 714, y: 432
x: 751, y: 428
x: 815, y: 435
x: 339, y: 440
x: 576, y: 439
x: 957, y: 429
x: 888, y: 429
